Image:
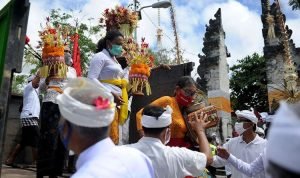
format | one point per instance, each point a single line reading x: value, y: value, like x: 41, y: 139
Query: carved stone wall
x: 274, y: 49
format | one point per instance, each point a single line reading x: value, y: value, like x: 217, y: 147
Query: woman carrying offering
x: 107, y: 72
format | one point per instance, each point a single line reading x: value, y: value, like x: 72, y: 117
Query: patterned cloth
x: 50, y: 94
x: 29, y: 121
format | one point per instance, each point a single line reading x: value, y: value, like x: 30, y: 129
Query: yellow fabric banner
x: 122, y: 83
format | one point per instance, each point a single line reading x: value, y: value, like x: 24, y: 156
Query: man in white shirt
x: 250, y: 169
x: 168, y: 161
x: 29, y: 120
x: 247, y: 147
x: 87, y: 112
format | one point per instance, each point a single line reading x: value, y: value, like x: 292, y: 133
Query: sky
x: 241, y: 22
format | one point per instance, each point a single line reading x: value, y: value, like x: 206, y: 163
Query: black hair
x: 153, y: 131
x: 185, y: 81
x: 154, y: 111
x: 254, y: 127
x: 268, y: 125
x: 111, y: 35
x: 209, y: 138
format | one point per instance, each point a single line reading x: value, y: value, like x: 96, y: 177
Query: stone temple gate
x: 213, y: 71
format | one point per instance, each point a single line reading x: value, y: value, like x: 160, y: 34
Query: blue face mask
x: 116, y: 50
x: 66, y: 139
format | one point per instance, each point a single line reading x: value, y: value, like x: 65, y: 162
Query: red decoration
x: 76, y: 55
x: 27, y: 40
x: 101, y: 103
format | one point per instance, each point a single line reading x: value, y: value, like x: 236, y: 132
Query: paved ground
x: 8, y: 172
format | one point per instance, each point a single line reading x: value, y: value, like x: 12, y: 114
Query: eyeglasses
x: 67, y: 51
x: 189, y: 92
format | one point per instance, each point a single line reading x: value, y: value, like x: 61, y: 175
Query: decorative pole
x: 173, y: 19
x: 136, y: 5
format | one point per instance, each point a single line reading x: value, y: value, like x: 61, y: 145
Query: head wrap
x: 86, y: 104
x: 260, y: 130
x: 283, y: 146
x: 246, y: 114
x: 162, y: 121
x: 30, y: 78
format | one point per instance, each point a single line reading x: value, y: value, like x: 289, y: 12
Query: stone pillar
x: 213, y: 71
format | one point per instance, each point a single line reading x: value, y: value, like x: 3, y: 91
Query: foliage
x: 295, y: 4
x: 86, y: 32
x: 18, y: 83
x: 249, y: 84
x: 86, y: 44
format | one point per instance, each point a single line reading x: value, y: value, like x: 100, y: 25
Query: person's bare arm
x: 199, y: 124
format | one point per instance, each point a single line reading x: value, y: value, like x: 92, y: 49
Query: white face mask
x: 167, y: 136
x: 239, y: 128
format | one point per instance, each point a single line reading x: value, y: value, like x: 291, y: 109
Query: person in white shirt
x: 283, y: 148
x: 168, y: 161
x: 87, y: 111
x: 29, y: 120
x: 250, y: 169
x: 247, y: 147
x: 107, y: 72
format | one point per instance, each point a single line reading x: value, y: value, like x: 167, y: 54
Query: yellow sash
x: 122, y: 83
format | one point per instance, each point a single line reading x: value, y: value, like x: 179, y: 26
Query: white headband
x: 247, y: 115
x: 82, y: 114
x: 162, y: 121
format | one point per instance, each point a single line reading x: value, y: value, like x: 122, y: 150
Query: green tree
x: 18, y: 83
x: 85, y: 31
x: 87, y: 47
x: 249, y: 83
x: 295, y: 4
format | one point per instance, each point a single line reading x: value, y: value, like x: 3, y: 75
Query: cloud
x: 241, y: 22
x: 295, y: 26
x: 242, y: 27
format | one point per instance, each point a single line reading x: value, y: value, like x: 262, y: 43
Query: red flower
x: 52, y: 31
x: 101, y: 103
x: 27, y: 40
